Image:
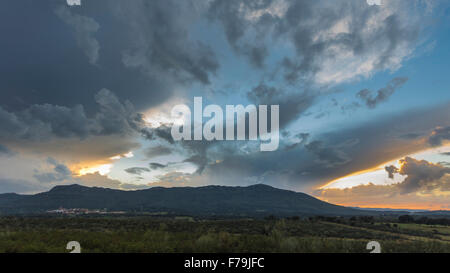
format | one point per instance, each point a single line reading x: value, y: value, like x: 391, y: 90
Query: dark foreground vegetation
x: 185, y: 234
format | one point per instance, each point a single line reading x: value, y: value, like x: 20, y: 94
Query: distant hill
x: 256, y: 200
x: 414, y: 212
x: 406, y: 211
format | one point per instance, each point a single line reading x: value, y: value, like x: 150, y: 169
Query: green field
x: 167, y: 235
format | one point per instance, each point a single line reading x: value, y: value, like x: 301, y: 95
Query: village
x: 82, y: 211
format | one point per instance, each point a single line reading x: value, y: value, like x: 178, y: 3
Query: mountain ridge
x: 213, y: 200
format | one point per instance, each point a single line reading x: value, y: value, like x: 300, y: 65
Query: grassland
x: 167, y: 235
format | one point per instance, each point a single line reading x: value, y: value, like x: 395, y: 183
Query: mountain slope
x: 256, y: 200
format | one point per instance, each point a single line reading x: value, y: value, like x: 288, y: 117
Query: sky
x: 87, y: 90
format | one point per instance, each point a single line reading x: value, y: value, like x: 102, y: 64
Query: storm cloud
x: 45, y: 121
x: 141, y: 50
x: 80, y: 83
x: 326, y: 37
x: 324, y: 157
x: 291, y: 104
x: 84, y: 28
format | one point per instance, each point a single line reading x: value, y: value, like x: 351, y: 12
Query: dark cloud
x: 310, y: 26
x: 299, y: 139
x: 292, y: 105
x: 199, y: 160
x: 257, y: 55
x: 157, y: 151
x: 372, y: 195
x: 231, y: 15
x: 160, y: 39
x: 411, y: 136
x: 76, y: 150
x: 197, y: 151
x: 337, y: 153
x: 44, y: 121
x: 162, y: 132
x: 439, y: 135
x: 421, y: 175
x: 431, y: 181
x: 444, y: 163
x: 84, y: 28
x: 5, y: 151
x: 329, y: 156
x: 382, y: 94
x: 391, y: 170
x: 142, y: 50
x: 137, y: 170
x: 115, y: 117
x: 155, y: 166
x: 60, y: 173
x: 306, y: 160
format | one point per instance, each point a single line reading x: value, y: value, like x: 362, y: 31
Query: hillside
x: 256, y: 200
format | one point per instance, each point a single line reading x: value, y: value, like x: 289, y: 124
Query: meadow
x: 185, y: 234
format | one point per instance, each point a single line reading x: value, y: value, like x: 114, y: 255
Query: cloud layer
x: 425, y: 184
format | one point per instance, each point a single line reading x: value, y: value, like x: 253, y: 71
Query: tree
x: 405, y: 219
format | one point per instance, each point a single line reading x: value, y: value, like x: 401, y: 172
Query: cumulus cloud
x: 425, y: 184
x: 421, y: 175
x: 44, y: 121
x: 332, y: 43
x: 380, y: 196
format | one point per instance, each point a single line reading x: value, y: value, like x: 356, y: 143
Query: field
x: 167, y: 235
